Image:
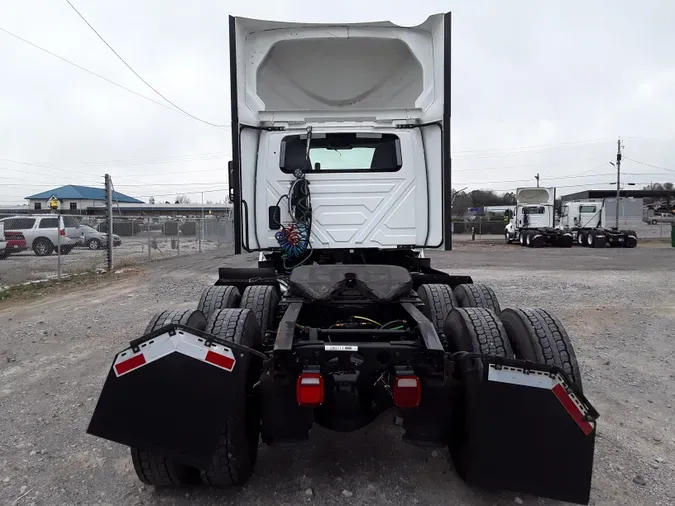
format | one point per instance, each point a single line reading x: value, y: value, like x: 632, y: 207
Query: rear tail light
x: 309, y: 389
x: 62, y: 232
x: 407, y: 391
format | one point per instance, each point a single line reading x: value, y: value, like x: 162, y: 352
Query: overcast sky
x: 543, y: 86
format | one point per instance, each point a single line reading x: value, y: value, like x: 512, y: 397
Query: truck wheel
x: 507, y: 238
x: 590, y: 239
x: 477, y: 295
x: 536, y: 335
x: 438, y: 300
x: 528, y: 239
x: 218, y: 297
x: 522, y: 238
x: 234, y: 460
x: 161, y: 472
x: 154, y: 469
x: 192, y: 318
x: 262, y: 300
x: 477, y: 330
x: 43, y: 247
x: 631, y: 239
x: 581, y: 238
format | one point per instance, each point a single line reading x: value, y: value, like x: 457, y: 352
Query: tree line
x: 463, y: 201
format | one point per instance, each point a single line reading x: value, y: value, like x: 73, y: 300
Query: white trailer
x: 533, y: 222
x: 593, y: 222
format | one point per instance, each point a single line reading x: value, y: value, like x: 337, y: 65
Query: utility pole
x: 537, y: 178
x: 109, y: 219
x: 618, y: 179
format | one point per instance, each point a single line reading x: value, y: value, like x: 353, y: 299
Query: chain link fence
x: 36, y: 250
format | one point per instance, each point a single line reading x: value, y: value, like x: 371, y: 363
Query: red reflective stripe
x: 572, y: 409
x: 130, y: 364
x: 221, y: 360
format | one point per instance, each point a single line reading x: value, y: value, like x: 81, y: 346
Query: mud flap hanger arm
x: 463, y: 359
x: 209, y: 339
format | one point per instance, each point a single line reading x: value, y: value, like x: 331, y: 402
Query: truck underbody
x: 339, y: 345
x: 540, y: 237
x: 605, y: 237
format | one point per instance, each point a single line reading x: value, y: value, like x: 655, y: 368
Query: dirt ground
x: 618, y: 306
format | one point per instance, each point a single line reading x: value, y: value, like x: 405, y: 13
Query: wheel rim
x: 93, y: 244
x: 580, y: 238
x: 41, y: 248
x: 528, y: 239
x: 589, y: 239
x: 506, y: 237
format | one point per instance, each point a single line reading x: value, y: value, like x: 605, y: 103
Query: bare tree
x: 182, y: 199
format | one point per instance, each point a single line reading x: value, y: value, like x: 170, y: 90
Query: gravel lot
x: 618, y: 305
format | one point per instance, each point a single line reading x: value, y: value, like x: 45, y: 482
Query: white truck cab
x: 341, y: 135
x: 533, y: 222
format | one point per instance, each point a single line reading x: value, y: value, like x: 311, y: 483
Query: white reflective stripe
x: 341, y: 347
x: 515, y: 376
x: 407, y: 382
x: 183, y: 342
x: 310, y: 381
x: 536, y: 379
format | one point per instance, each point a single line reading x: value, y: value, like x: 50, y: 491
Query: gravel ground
x: 619, y: 307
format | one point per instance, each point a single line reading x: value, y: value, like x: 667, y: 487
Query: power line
x: 536, y: 146
x: 648, y: 164
x: 136, y: 73
x: 89, y: 71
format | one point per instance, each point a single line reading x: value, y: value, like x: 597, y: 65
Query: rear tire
x: 43, y: 247
x: 262, y: 300
x: 438, y: 300
x: 234, y: 460
x: 581, y: 238
x: 631, y: 239
x: 154, y: 469
x: 477, y: 295
x: 192, y: 318
x: 477, y: 330
x: 160, y: 472
x: 590, y: 239
x: 536, y: 335
x: 218, y: 297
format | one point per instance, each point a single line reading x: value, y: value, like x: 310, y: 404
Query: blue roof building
x: 74, y: 197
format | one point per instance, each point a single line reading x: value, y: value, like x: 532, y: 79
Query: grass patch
x: 32, y: 289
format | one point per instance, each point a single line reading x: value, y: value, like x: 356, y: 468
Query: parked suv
x: 41, y: 232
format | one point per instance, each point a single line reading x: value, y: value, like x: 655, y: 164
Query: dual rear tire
x: 469, y: 318
x: 241, y: 318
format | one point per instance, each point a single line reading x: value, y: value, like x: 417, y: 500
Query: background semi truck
x: 533, y: 221
x: 593, y: 222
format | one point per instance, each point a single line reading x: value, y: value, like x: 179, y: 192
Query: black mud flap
x: 171, y: 392
x: 521, y: 428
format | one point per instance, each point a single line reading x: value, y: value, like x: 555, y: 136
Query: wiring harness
x: 294, y: 239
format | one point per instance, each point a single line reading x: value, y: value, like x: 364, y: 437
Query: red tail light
x: 309, y: 389
x: 407, y: 391
x: 62, y: 232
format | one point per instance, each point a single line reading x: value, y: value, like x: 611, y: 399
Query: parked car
x: 41, y: 232
x: 661, y: 218
x: 16, y: 242
x: 93, y: 239
x: 3, y: 243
